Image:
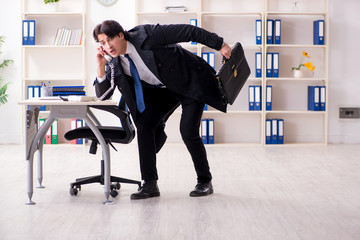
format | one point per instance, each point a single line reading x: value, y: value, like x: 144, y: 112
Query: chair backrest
x: 123, y: 114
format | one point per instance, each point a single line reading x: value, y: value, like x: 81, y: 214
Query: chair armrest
x: 112, y: 109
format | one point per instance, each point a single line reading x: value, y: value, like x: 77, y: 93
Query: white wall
x: 344, y: 82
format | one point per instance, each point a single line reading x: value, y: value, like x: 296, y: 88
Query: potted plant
x: 297, y: 70
x: 51, y: 5
x: 50, y: 1
x: 3, y: 86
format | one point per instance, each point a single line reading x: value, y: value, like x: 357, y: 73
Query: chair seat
x: 114, y: 134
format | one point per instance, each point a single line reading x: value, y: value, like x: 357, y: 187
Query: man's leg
x: 159, y: 103
x: 189, y: 128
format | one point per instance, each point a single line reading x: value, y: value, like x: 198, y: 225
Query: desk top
x: 57, y: 101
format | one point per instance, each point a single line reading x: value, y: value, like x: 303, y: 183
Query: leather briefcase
x: 232, y: 75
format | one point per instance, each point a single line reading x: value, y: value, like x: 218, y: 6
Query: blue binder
x: 280, y: 125
x: 268, y: 130
x: 319, y: 32
x: 313, y: 98
x: 275, y: 62
x: 25, y: 32
x: 211, y: 137
x: 277, y: 31
x: 269, y: 65
x: 251, y: 98
x: 258, y: 31
x: 31, y: 32
x: 274, y: 131
x: 268, y: 98
x: 205, y: 56
x: 79, y: 123
x: 258, y: 64
x: 211, y: 59
x: 257, y: 98
x: 194, y: 23
x: 322, y: 98
x: 203, y: 131
x: 269, y: 31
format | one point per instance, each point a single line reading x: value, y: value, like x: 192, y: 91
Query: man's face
x: 113, y: 46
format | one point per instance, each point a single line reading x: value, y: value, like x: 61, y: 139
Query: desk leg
x: 106, y: 154
x: 40, y: 162
x: 30, y: 158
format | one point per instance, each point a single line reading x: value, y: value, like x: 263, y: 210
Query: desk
x: 34, y: 137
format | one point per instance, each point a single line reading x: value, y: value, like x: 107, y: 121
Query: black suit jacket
x: 178, y: 69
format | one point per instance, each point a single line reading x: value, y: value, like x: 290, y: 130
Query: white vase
x: 298, y: 74
x: 51, y: 7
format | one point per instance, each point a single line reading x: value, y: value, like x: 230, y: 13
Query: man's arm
x: 176, y: 33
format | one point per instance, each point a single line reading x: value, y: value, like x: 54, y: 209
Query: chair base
x: 76, y: 186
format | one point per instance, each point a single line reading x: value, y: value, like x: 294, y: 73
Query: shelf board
x: 53, y: 46
x: 294, y: 144
x: 164, y: 13
x: 54, y: 79
x: 51, y: 13
x: 295, y: 79
x: 295, y: 112
x: 228, y: 112
x: 232, y: 13
x: 295, y: 46
x: 298, y: 13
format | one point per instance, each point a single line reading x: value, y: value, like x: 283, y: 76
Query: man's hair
x: 110, y: 28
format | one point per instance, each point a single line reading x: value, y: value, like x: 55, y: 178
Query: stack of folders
x: 65, y: 36
x: 272, y: 65
x: 254, y: 98
x: 175, y: 9
x: 209, y: 57
x: 77, y: 123
x: 273, y: 31
x: 274, y: 129
x: 68, y: 90
x: 35, y: 92
x: 28, y: 32
x: 207, y: 131
x: 316, y: 98
x: 51, y: 136
x: 319, y: 32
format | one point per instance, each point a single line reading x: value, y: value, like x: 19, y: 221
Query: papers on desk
x: 71, y: 98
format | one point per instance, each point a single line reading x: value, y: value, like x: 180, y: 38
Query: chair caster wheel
x: 113, y: 193
x: 115, y: 186
x: 73, y: 191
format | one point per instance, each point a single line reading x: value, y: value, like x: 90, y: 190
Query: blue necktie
x: 137, y: 84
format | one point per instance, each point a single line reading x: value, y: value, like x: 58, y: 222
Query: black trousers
x: 160, y: 103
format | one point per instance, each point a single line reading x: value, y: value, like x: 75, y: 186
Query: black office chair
x: 124, y: 135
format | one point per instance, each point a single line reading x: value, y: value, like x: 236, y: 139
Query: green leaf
x: 6, y: 63
x: 3, y: 95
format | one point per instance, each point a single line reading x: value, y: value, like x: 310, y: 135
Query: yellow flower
x: 310, y: 66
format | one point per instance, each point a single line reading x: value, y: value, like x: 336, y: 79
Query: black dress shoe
x: 148, y: 190
x: 202, y: 189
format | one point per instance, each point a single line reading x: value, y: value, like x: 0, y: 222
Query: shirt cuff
x: 100, y: 80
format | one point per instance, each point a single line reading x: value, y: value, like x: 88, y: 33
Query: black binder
x: 232, y: 75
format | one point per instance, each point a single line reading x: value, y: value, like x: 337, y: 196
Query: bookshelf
x: 289, y: 101
x: 46, y: 62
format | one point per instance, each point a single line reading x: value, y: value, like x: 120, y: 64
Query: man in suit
x: 170, y: 76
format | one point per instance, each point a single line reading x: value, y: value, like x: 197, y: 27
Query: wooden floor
x: 287, y: 192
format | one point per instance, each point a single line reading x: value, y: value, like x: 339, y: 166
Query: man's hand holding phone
x: 101, y: 60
